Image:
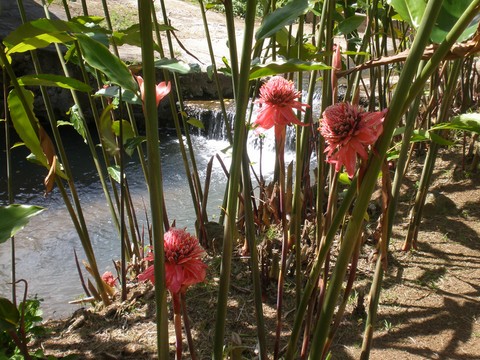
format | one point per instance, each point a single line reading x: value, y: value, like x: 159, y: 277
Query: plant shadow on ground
x: 428, y: 307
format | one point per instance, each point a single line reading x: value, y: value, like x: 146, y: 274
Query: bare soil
x: 429, y: 307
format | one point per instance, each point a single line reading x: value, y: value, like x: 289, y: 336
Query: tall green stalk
x: 77, y: 214
x: 368, y: 183
x: 8, y: 166
x: 155, y: 183
x: 241, y: 102
x: 251, y: 238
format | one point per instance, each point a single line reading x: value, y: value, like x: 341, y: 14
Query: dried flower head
x: 183, y: 264
x: 348, y: 131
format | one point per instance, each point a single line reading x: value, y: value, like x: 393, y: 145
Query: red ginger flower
x: 183, y: 264
x: 162, y: 89
x: 349, y: 130
x: 109, y: 279
x: 277, y: 101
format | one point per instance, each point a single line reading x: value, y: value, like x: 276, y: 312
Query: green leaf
x: 9, y: 315
x: 285, y: 39
x: 106, y: 132
x: 344, y: 179
x: 195, y: 122
x: 37, y: 34
x: 113, y: 92
x: 174, y: 65
x: 131, y: 36
x: 127, y: 129
x: 77, y: 121
x: 54, y: 80
x: 440, y: 140
x: 114, y: 172
x: 466, y: 122
x: 14, y: 218
x: 100, y: 58
x: 350, y: 24
x: 281, y: 17
x: 132, y: 144
x: 27, y: 129
x: 423, y: 135
x: 449, y: 15
x: 410, y: 11
x: 279, y: 67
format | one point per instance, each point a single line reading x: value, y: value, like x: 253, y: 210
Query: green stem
x: 241, y: 102
x: 250, y: 235
x: 312, y: 280
x: 8, y: 165
x: 280, y: 148
x: 373, y: 167
x: 155, y: 174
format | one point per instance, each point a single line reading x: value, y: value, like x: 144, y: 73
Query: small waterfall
x: 209, y: 112
x: 211, y: 116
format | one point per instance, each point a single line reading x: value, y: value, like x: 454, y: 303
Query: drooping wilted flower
x: 277, y: 101
x: 162, y: 89
x: 348, y: 131
x: 183, y: 264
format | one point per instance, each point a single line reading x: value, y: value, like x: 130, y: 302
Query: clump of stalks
x: 386, y: 65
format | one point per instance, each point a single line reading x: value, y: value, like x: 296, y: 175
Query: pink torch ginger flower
x: 162, y: 89
x: 108, y: 278
x: 183, y: 264
x: 277, y: 101
x: 348, y: 131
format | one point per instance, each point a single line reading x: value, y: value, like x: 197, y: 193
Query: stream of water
x: 45, y: 247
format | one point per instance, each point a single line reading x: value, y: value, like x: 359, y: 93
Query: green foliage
x: 54, y: 80
x: 13, y: 218
x: 466, y: 122
x: 280, y: 67
x: 99, y: 57
x: 32, y: 316
x: 281, y: 17
x: 412, y: 12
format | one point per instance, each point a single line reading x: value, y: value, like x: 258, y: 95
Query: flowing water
x: 45, y: 247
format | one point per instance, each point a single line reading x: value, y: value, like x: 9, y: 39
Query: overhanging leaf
x: 174, y: 65
x: 54, y: 80
x: 467, y: 122
x: 449, y: 14
x: 410, y: 11
x: 37, y: 34
x: 100, y: 58
x: 25, y: 127
x: 281, y: 17
x: 131, y: 36
x: 279, y: 67
x: 14, y: 218
x: 350, y: 24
